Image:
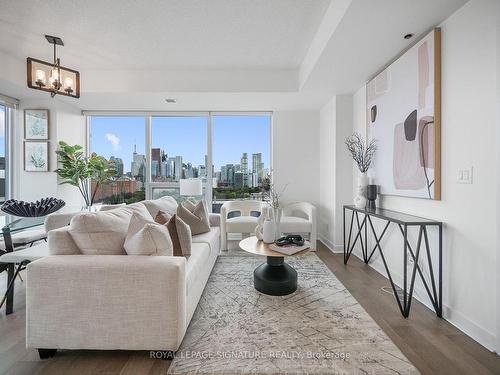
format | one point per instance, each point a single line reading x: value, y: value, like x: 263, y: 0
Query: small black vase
x: 371, y: 195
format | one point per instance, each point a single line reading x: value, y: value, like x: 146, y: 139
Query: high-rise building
x: 238, y: 180
x: 178, y: 168
x: 164, y: 168
x: 256, y: 163
x: 202, y: 171
x: 155, y: 157
x: 138, y: 167
x: 154, y: 168
x: 244, y: 163
x: 117, y: 164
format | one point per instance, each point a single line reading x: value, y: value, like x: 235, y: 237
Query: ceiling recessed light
x: 408, y: 36
x: 171, y: 100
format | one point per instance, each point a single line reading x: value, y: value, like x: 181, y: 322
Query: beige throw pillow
x: 145, y: 237
x: 165, y: 204
x: 196, y: 219
x: 104, y: 233
x: 180, y: 233
x: 162, y: 217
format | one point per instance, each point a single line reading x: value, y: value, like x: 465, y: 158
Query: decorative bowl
x: 42, y: 207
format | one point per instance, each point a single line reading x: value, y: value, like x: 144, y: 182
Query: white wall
x: 335, y: 167
x: 498, y: 179
x: 65, y: 123
x: 469, y: 100
x: 296, y: 155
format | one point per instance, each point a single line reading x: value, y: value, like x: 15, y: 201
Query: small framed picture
x: 36, y: 124
x: 36, y: 156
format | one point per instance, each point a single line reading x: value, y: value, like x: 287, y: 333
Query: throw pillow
x: 189, y: 205
x: 180, y: 233
x: 196, y: 219
x: 162, y: 217
x: 103, y: 233
x: 145, y: 237
x: 165, y: 204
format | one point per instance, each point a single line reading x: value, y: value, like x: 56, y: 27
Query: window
x: 3, y: 123
x: 241, y: 156
x: 120, y: 139
x: 229, y: 154
x: 178, y: 151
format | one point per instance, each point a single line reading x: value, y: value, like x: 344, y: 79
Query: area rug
x: 319, y: 329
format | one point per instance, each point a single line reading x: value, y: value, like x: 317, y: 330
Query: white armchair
x: 239, y: 224
x: 300, y: 218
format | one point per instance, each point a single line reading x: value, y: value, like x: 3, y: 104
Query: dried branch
x: 361, y: 154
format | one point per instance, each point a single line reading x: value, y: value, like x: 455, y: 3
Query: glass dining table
x: 10, y: 225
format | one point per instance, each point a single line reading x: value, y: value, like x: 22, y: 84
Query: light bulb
x: 54, y: 77
x: 40, y: 77
x: 68, y: 83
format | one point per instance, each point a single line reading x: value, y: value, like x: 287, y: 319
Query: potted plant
x: 78, y: 170
x: 362, y: 153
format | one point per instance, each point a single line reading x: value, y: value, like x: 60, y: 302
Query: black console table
x: 403, y: 221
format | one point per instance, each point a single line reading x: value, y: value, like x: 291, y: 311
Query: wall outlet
x: 464, y: 176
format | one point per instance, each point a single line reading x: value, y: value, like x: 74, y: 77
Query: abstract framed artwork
x: 36, y: 156
x: 36, y: 124
x: 403, y: 104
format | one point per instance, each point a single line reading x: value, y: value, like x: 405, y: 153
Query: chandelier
x: 52, y: 77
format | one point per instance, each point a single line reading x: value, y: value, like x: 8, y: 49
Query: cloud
x: 115, y: 141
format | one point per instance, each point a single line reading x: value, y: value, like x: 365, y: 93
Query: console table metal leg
x: 405, y: 266
x: 440, y: 306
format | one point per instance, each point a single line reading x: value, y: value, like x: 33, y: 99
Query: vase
x: 268, y: 231
x: 260, y: 226
x: 360, y: 200
x: 277, y: 212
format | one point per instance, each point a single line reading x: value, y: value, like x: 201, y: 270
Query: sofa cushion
x: 103, y: 233
x: 211, y: 238
x: 292, y: 224
x: 241, y: 224
x: 180, y: 233
x: 196, y: 264
x: 197, y: 219
x: 145, y: 237
x: 165, y: 204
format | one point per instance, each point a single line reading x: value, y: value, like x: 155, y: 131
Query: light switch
x: 464, y: 176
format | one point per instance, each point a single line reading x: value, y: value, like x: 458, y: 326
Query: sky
x: 185, y: 136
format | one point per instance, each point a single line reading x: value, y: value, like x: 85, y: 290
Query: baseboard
x: 329, y: 244
x: 471, y: 329
x: 457, y: 319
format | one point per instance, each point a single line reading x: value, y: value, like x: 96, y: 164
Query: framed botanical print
x: 36, y: 156
x: 36, y: 124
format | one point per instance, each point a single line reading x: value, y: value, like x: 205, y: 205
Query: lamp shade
x: 191, y: 187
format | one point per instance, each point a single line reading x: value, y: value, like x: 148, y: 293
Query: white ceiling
x: 212, y: 54
x: 156, y: 34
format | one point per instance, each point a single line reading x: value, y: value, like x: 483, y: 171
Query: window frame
x: 148, y: 115
x: 11, y: 106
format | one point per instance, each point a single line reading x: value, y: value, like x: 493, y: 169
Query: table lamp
x: 190, y: 187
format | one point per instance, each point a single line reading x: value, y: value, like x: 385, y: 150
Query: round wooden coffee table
x: 274, y: 277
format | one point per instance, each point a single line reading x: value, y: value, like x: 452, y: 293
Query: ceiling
x: 156, y: 34
x: 217, y: 54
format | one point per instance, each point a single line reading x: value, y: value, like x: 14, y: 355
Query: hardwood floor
x: 433, y: 345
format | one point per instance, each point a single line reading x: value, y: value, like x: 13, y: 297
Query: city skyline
x: 118, y: 135
x: 164, y: 165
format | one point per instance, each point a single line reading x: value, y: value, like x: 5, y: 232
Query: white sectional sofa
x: 115, y: 302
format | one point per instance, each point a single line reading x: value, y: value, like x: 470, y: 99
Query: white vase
x: 360, y: 200
x: 277, y: 212
x: 260, y: 226
x: 268, y: 231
